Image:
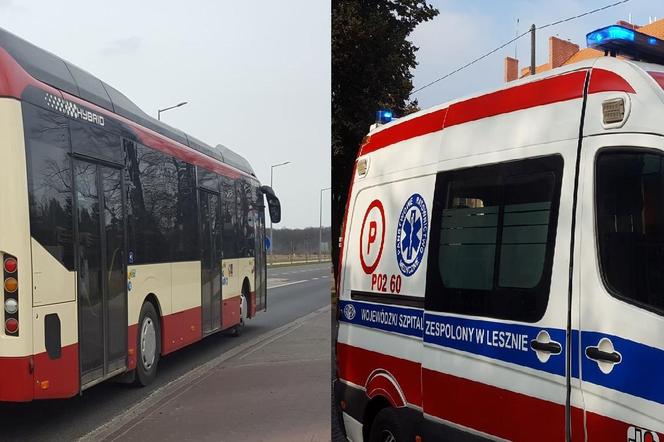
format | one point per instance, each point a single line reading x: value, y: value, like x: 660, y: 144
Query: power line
x: 472, y: 62
x: 515, y: 39
x: 582, y: 15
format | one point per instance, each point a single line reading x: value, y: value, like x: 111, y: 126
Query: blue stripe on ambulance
x: 402, y: 320
x: 638, y: 374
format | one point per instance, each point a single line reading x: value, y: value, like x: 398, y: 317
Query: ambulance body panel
x: 503, y: 183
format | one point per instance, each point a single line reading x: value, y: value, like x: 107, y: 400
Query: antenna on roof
x: 516, y: 42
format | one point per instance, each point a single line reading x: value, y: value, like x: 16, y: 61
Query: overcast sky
x: 464, y: 30
x: 256, y: 75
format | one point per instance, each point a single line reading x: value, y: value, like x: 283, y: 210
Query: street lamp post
x: 159, y: 111
x: 320, y: 226
x: 272, y: 186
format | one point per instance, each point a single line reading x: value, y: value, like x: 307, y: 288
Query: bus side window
x: 93, y: 141
x: 163, y: 226
x: 185, y: 235
x: 629, y: 192
x: 493, y: 236
x: 229, y: 215
x: 49, y: 182
x: 245, y: 230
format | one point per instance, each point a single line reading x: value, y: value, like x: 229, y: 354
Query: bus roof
x: 54, y: 71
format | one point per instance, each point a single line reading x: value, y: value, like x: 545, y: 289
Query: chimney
x: 511, y: 69
x: 560, y: 51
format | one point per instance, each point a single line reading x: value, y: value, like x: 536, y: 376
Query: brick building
x: 562, y: 52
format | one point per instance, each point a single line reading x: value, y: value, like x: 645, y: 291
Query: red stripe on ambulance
x: 525, y: 96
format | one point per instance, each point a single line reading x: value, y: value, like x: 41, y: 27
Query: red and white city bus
x: 122, y: 239
x: 503, y: 257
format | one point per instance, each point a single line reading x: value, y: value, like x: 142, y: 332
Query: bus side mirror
x: 273, y: 204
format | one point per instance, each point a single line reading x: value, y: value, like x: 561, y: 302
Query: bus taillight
x: 11, y: 285
x: 11, y: 306
x: 10, y: 274
x: 10, y: 265
x: 11, y: 326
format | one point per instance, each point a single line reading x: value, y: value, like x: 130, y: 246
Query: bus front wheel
x: 148, y: 345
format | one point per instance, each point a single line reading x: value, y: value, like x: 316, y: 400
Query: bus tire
x: 388, y: 426
x: 148, y: 345
x: 237, y: 329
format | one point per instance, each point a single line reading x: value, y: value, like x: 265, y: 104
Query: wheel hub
x: 148, y: 343
x: 388, y: 436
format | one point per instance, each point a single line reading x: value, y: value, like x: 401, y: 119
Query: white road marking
x: 288, y: 283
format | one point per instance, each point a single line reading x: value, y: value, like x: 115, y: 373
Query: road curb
x: 124, y: 422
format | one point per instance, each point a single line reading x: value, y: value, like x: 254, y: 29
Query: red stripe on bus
x: 177, y: 330
x: 251, y: 304
x: 602, y: 80
x: 14, y: 79
x: 132, y: 340
x: 356, y: 365
x: 164, y: 144
x: 57, y: 378
x: 181, y: 329
x: 230, y: 312
x: 40, y: 377
x: 17, y: 379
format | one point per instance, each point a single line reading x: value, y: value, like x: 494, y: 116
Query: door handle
x: 547, y: 347
x: 604, y: 354
x: 596, y: 354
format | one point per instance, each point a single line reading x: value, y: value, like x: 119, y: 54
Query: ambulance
x: 502, y: 261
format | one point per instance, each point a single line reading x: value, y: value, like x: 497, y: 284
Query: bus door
x: 211, y: 226
x: 101, y: 270
x: 259, y: 262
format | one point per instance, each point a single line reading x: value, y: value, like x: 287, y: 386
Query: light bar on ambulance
x: 619, y: 40
x: 384, y: 116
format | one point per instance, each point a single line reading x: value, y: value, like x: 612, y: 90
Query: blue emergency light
x: 619, y: 40
x: 384, y: 116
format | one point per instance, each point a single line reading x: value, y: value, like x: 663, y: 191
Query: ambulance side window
x: 629, y: 193
x: 493, y: 236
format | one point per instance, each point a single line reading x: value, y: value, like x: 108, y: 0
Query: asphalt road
x: 293, y: 291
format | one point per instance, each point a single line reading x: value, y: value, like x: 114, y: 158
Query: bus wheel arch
x: 148, y: 341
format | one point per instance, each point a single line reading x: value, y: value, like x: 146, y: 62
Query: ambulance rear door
x: 621, y: 291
